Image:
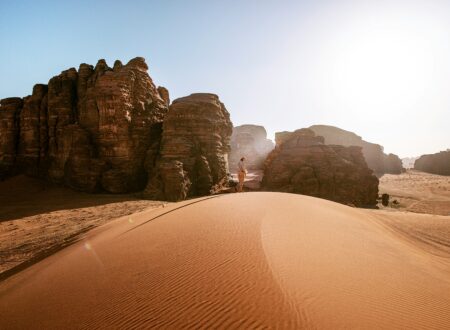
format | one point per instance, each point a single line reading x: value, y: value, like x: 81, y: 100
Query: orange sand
x: 38, y: 218
x: 237, y: 261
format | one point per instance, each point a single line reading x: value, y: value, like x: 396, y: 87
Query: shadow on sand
x: 22, y: 196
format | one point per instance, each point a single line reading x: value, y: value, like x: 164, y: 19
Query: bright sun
x: 380, y: 62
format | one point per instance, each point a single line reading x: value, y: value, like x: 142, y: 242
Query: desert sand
x: 418, y: 191
x: 244, y: 260
x: 38, y: 218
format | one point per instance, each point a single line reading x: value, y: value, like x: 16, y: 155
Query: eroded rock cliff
x: 194, y: 147
x: 438, y: 163
x: 373, y: 153
x: 301, y: 163
x: 10, y: 109
x: 97, y: 128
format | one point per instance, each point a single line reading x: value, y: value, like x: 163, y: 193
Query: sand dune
x: 236, y: 261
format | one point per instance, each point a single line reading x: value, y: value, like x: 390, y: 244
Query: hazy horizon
x: 380, y: 69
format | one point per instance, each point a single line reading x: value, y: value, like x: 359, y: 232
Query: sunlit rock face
x: 301, y: 163
x: 249, y: 141
x: 194, y: 148
x: 97, y: 128
x: 438, y: 163
x: 373, y: 153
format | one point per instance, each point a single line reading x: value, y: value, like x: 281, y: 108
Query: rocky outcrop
x: 438, y: 163
x: 98, y: 128
x: 32, y: 143
x: 164, y: 93
x: 373, y: 153
x: 392, y: 164
x: 249, y: 141
x: 194, y: 147
x: 9, y: 134
x: 301, y: 163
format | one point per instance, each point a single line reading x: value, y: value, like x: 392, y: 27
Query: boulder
x: 385, y: 199
x: 194, y: 147
x: 249, y: 141
x: 438, y: 163
x: 373, y: 153
x: 301, y: 163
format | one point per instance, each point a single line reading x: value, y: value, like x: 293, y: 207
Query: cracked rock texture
x: 194, y: 148
x: 302, y: 163
x: 374, y: 155
x: 97, y: 128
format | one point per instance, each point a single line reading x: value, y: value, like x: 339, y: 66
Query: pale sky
x: 378, y: 68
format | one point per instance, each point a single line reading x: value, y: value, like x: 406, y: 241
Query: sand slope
x: 240, y: 260
x: 38, y: 218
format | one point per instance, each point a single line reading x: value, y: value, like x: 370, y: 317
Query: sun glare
x: 381, y: 70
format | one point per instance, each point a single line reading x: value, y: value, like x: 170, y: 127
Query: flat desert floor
x: 37, y: 218
x: 418, y: 191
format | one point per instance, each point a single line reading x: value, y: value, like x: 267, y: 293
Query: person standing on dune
x: 242, y: 172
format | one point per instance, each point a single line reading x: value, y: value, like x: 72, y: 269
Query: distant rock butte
x: 301, y: 163
x: 438, y: 163
x: 249, y: 141
x: 194, y: 147
x: 376, y: 159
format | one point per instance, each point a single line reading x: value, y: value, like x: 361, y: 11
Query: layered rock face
x: 9, y: 134
x: 97, y: 128
x: 301, y: 163
x: 194, y: 147
x: 249, y: 141
x: 373, y: 153
x: 438, y: 163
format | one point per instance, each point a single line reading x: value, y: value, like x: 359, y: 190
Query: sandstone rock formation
x: 438, y: 163
x: 93, y: 129
x: 249, y: 141
x: 301, y: 163
x: 9, y: 130
x: 194, y: 147
x: 373, y: 153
